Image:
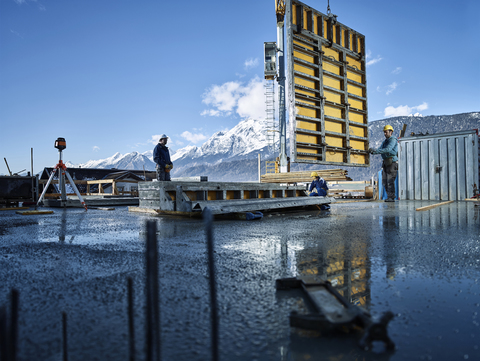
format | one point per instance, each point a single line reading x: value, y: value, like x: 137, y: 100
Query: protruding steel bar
x: 208, y: 219
x: 14, y: 325
x: 4, y: 354
x: 64, y: 336
x: 131, y: 324
x: 153, y: 305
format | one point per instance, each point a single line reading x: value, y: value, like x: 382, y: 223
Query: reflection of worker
x: 161, y: 157
x: 388, y: 150
x: 318, y: 187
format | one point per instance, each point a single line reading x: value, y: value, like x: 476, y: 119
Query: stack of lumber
x: 304, y: 176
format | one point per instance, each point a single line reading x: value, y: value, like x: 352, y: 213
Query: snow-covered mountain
x: 232, y: 155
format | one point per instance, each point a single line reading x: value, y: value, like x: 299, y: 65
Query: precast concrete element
x: 222, y: 197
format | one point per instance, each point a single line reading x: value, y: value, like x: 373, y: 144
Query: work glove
x: 168, y: 168
x: 371, y: 150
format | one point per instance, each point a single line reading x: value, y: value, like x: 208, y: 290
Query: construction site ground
x: 424, y: 266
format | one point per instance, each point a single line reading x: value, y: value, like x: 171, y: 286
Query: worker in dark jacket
x: 161, y: 156
x: 388, y: 150
x: 318, y: 187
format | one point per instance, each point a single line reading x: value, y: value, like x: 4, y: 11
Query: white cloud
x: 95, y: 148
x: 193, y: 138
x: 154, y: 139
x: 234, y: 97
x: 251, y: 63
x: 404, y: 110
x: 372, y: 61
x: 391, y: 88
x: 397, y: 70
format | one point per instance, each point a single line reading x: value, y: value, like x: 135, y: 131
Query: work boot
x: 389, y: 200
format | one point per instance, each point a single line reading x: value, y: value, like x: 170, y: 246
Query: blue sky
x: 110, y: 76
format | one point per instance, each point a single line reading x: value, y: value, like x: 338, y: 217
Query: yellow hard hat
x: 314, y: 174
x: 388, y: 127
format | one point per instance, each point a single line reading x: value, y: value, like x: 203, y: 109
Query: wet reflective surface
x: 423, y: 266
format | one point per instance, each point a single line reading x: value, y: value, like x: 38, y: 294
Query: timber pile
x: 304, y: 176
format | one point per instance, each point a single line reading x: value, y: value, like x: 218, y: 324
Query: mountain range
x: 233, y: 155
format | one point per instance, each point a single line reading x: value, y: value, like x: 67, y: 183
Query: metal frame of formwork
x: 192, y: 198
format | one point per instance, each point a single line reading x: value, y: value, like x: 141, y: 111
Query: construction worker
x: 318, y: 187
x: 388, y: 150
x: 161, y: 156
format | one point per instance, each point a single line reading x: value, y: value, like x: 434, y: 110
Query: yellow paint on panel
x: 302, y: 91
x: 294, y: 14
x: 230, y: 194
x: 331, y: 68
x: 304, y: 82
x: 351, y: 42
x: 331, y: 156
x: 307, y: 150
x: 301, y: 124
x: 325, y: 27
x: 358, y: 131
x: 302, y: 138
x: 303, y: 44
x: 333, y: 97
x: 356, y: 117
x: 334, y: 142
x: 303, y: 56
x: 342, y: 37
x: 353, y: 89
x: 329, y: 52
x: 357, y: 144
x: 305, y: 19
x: 304, y: 69
x: 315, y: 25
x: 332, y: 83
x: 306, y: 112
x: 333, y: 127
x: 354, y: 63
x: 334, y: 33
x: 358, y: 104
x: 333, y: 112
x: 310, y: 102
x: 354, y: 76
x: 359, y: 46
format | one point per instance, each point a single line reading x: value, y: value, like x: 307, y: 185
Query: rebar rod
x: 131, y: 324
x: 153, y: 306
x: 64, y: 336
x: 14, y: 325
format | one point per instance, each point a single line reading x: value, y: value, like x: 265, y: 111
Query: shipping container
x: 327, y: 89
x: 439, y: 167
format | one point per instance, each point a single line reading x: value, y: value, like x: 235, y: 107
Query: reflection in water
x: 62, y: 233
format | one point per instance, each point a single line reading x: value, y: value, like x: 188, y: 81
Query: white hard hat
x: 163, y: 136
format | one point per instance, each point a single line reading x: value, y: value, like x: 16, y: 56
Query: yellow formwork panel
x: 212, y: 195
x: 357, y: 104
x: 192, y: 195
x: 305, y: 19
x: 334, y: 141
x: 311, y: 102
x: 173, y: 195
x: 305, y: 82
x: 305, y: 92
x: 312, y: 113
x: 332, y: 97
x: 294, y: 14
x: 357, y: 144
x: 354, y: 63
x: 333, y: 112
x: 357, y: 117
x: 335, y: 69
x: 315, y: 25
x: 303, y: 44
x: 304, y: 138
x: 230, y: 194
x: 313, y: 152
x: 351, y: 42
x: 333, y: 127
x: 334, y: 33
x: 355, y: 77
x: 358, y: 158
x: 329, y: 52
x: 301, y: 124
x: 332, y: 156
x: 358, y: 131
x: 331, y: 82
x: 304, y: 69
x: 356, y: 90
x: 303, y: 56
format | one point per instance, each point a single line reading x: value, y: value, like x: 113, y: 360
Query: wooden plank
x: 432, y: 206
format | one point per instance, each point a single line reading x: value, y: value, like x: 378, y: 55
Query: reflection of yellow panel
x: 357, y: 144
x: 303, y: 91
x: 354, y: 76
x: 333, y: 97
x: 331, y: 68
x: 303, y: 44
x: 358, y: 131
x: 306, y: 112
x: 304, y: 69
x: 353, y: 89
x: 334, y: 142
x: 333, y: 112
x: 305, y: 82
x: 357, y: 104
x: 306, y: 125
x: 333, y: 127
x: 332, y: 83
x: 358, y: 158
x: 331, y: 156
x: 356, y: 117
x: 354, y: 63
x: 329, y: 52
x: 304, y: 138
x: 303, y: 56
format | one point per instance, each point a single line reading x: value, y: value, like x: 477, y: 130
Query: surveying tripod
x: 61, y: 144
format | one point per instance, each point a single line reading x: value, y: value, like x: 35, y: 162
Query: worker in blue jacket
x: 161, y: 157
x: 318, y: 187
x: 388, y: 150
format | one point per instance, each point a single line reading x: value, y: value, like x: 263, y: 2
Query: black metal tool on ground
x: 335, y: 313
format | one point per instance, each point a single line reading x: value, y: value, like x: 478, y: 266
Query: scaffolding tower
x: 271, y: 127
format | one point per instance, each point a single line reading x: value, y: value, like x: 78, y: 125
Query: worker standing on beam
x: 161, y: 156
x: 388, y: 150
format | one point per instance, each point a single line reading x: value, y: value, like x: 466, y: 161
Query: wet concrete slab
x: 423, y: 266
